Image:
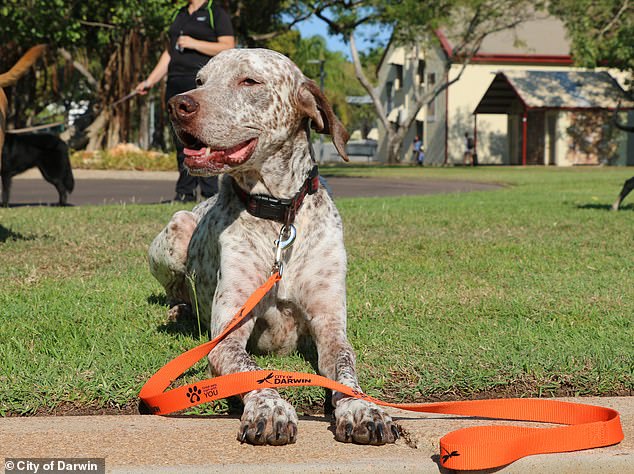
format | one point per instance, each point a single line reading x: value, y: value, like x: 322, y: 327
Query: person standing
x: 418, y: 151
x: 200, y: 30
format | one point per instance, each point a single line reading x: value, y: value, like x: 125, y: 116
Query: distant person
x: 469, y: 150
x: 199, y: 31
x: 418, y: 153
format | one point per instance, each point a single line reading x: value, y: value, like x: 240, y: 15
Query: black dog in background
x: 42, y: 150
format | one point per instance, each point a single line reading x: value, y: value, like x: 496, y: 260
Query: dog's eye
x: 248, y: 81
x: 199, y: 82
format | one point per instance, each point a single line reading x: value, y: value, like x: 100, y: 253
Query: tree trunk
x: 393, y: 149
x: 114, y: 134
x: 121, y: 74
x: 96, y: 132
x: 144, y: 125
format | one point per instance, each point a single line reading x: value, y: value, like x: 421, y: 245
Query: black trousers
x: 187, y: 184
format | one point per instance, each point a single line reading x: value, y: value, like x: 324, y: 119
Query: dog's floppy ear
x: 314, y: 104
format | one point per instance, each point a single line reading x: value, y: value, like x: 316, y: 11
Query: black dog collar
x: 272, y: 208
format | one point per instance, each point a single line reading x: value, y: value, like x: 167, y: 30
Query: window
x: 398, y: 81
x: 388, y: 92
x: 421, y: 71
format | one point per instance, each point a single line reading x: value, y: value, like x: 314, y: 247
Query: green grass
x: 524, y: 291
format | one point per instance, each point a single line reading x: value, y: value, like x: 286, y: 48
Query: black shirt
x: 198, y: 26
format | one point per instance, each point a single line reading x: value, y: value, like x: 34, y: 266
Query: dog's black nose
x: 182, y: 107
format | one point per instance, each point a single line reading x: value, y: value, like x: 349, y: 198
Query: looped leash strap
x: 175, y: 368
x: 480, y: 447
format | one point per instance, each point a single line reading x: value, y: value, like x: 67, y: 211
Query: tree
x: 107, y: 43
x: 602, y: 35
x: 257, y: 22
x: 99, y: 50
x: 601, y: 31
x: 413, y: 23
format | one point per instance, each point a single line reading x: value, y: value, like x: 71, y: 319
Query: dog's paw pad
x: 359, y: 421
x: 268, y: 420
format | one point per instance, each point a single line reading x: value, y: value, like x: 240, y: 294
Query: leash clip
x: 284, y: 241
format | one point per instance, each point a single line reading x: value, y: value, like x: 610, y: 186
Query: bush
x: 124, y: 156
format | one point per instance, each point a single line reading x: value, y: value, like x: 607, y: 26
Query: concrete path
x: 139, y: 444
x: 110, y: 187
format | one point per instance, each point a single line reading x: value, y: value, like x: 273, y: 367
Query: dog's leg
x: 267, y: 418
x: 6, y: 189
x: 356, y: 420
x: 167, y: 257
x: 627, y: 189
x: 63, y: 195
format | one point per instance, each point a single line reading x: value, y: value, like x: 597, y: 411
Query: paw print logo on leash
x: 193, y: 393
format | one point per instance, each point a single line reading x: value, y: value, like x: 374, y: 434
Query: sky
x: 365, y: 38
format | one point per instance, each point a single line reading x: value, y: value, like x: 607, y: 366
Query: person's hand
x: 186, y: 42
x: 142, y: 87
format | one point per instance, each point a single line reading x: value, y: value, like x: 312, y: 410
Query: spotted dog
x: 248, y: 120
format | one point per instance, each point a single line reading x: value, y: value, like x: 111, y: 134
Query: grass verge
x: 524, y: 291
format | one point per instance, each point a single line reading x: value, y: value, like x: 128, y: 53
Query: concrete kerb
x: 81, y: 174
x: 169, y: 444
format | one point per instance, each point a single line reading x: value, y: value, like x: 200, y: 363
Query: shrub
x: 124, y: 156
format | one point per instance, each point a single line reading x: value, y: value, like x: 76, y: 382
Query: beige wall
x: 435, y: 129
x: 464, y: 96
x: 495, y: 146
x: 403, y: 100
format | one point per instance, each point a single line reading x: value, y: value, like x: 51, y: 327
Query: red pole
x: 524, y: 135
x: 474, y: 158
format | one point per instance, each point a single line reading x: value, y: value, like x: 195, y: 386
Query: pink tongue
x: 239, y: 154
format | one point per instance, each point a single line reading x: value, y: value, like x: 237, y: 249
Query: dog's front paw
x: 268, y: 419
x: 362, y: 422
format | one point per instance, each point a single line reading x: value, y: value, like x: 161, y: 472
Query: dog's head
x: 249, y: 105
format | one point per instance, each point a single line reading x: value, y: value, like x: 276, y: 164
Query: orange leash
x: 480, y: 447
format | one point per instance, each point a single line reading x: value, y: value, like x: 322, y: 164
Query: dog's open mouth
x: 203, y: 159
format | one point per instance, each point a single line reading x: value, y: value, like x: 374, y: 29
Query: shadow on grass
x: 8, y: 234
x: 185, y: 327
x: 185, y: 324
x: 605, y: 207
x: 157, y: 299
x: 39, y: 204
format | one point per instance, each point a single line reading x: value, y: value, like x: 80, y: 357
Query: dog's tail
x: 19, y: 69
